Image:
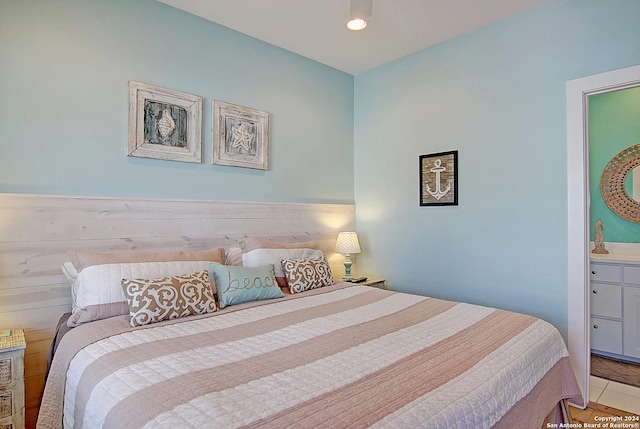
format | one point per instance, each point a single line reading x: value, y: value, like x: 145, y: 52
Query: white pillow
x: 97, y: 292
x: 259, y: 257
x: 69, y: 271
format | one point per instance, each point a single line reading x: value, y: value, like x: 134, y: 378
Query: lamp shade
x: 347, y: 243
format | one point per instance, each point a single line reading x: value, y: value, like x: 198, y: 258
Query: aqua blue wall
x: 64, y: 68
x: 614, y: 124
x: 498, y: 96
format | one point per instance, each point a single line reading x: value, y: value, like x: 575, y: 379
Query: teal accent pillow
x: 236, y: 285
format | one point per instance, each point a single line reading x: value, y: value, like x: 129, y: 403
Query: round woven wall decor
x: 612, y: 184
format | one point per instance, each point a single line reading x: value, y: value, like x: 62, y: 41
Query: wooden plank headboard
x: 37, y: 231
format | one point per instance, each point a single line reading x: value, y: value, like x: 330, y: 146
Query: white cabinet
x: 631, y: 321
x: 606, y: 335
x: 606, y: 300
x: 606, y: 308
x: 615, y: 307
x: 605, y: 272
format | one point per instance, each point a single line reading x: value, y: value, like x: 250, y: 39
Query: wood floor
x: 611, y: 370
x: 594, y: 410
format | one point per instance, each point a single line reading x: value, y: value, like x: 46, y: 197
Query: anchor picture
x: 439, y: 179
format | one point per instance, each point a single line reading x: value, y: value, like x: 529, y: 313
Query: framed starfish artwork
x: 164, y: 124
x: 439, y: 179
x: 240, y: 136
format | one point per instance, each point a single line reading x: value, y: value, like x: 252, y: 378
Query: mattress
x: 340, y: 356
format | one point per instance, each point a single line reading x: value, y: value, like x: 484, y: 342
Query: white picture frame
x: 240, y: 136
x: 164, y: 124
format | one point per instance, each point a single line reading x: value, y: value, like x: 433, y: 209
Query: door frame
x: 578, y: 93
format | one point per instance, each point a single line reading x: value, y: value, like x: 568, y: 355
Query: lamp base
x: 347, y: 268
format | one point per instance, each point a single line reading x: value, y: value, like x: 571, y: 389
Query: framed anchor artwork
x: 439, y: 179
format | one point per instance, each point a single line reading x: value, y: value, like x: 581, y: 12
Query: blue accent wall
x: 498, y: 96
x: 64, y: 72
x: 614, y: 124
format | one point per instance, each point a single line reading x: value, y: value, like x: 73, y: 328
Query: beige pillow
x: 82, y: 260
x: 166, y: 298
x: 249, y: 244
x: 306, y: 274
x: 233, y: 256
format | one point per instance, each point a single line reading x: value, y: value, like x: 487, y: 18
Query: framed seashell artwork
x: 240, y: 136
x: 164, y: 124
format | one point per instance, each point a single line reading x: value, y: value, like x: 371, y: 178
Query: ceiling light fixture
x: 359, y: 12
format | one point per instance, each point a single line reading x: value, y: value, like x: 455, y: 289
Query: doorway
x: 578, y: 92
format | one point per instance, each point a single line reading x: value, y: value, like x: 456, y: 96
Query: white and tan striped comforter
x: 341, y: 356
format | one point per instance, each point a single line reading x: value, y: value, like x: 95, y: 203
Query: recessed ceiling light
x: 356, y: 24
x: 359, y: 11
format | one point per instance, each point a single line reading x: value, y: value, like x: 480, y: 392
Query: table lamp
x: 347, y: 243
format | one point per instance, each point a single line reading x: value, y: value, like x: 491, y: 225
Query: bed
x: 335, y: 355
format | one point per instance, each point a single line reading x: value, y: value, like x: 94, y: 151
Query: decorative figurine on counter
x: 599, y: 239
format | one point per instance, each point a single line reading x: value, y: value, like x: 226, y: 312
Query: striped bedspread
x: 341, y: 356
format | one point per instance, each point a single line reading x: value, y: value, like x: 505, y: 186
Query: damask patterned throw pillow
x: 243, y: 284
x: 306, y: 274
x: 153, y: 300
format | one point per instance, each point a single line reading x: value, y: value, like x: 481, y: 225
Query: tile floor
x: 614, y: 394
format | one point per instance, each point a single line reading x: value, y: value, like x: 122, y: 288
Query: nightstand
x: 374, y: 282
x: 12, y: 380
